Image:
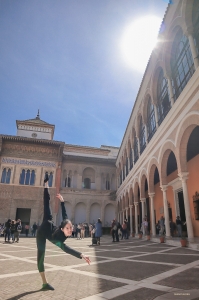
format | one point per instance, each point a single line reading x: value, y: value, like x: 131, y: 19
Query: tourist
x: 56, y: 235
x: 98, y: 230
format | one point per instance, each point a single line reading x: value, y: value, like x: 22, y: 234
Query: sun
x: 138, y: 41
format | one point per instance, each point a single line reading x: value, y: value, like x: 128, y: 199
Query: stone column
x: 131, y: 220
x: 183, y: 177
x: 170, y: 89
x: 127, y: 213
x: 151, y: 196
x: 156, y: 116
x: 193, y: 50
x: 123, y: 216
x: 136, y: 217
x: 143, y: 201
x: 166, y: 210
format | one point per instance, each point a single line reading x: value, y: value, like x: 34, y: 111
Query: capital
x: 164, y: 187
x: 151, y: 195
x: 183, y: 176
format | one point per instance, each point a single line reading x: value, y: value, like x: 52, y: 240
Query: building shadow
x: 17, y: 297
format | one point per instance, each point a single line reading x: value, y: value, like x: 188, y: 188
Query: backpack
x: 19, y: 228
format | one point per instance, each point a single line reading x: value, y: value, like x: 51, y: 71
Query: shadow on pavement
x: 17, y: 297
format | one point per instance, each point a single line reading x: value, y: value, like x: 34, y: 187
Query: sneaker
x: 47, y: 287
x: 46, y: 178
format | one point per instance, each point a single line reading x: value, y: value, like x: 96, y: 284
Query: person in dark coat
x: 98, y: 230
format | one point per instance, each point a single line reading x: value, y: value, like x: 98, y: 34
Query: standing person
x: 146, y: 230
x: 26, y: 229
x: 98, y: 230
x: 56, y: 235
x: 124, y: 230
x: 179, y: 226
x: 7, y: 230
x: 12, y: 230
x: 34, y: 229
x: 161, y: 222
x: 114, y: 229
x: 18, y: 229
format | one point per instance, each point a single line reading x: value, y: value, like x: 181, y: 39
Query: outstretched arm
x: 63, y: 209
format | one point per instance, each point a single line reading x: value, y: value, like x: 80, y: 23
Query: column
x: 166, y: 210
x: 151, y: 196
x: 143, y: 200
x: 183, y: 177
x: 170, y: 89
x: 131, y: 220
x: 127, y: 213
x: 122, y: 216
x: 136, y: 217
x: 193, y: 50
x: 156, y: 116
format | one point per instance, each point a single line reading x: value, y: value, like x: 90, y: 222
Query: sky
x: 64, y: 58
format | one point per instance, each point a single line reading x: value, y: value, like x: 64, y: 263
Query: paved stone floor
x: 128, y: 270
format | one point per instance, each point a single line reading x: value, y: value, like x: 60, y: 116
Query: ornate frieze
x: 28, y: 162
x: 29, y: 150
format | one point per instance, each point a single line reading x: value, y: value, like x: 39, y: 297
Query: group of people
x: 11, y: 230
x: 175, y: 227
x: 119, y: 230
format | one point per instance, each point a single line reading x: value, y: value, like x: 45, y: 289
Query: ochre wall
x: 193, y: 186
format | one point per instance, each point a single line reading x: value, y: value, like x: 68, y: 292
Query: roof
x: 36, y: 120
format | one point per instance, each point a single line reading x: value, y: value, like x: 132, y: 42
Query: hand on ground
x: 86, y: 258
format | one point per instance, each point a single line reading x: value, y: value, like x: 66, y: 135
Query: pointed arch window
x: 131, y: 159
x: 163, y: 104
x: 127, y: 167
x: 27, y: 177
x: 195, y: 20
x: 151, y: 122
x: 182, y: 65
x: 5, y: 176
x: 120, y: 177
x: 142, y: 136
x: 136, y: 154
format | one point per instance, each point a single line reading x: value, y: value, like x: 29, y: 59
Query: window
x: 131, y: 159
x: 182, y: 65
x: 124, y: 172
x: 5, y: 177
x: 136, y: 154
x: 142, y: 136
x: 50, y: 182
x: 163, y: 105
x: 151, y: 122
x: 87, y: 183
x: 127, y: 168
x: 107, y: 185
x: 120, y: 177
x: 67, y: 182
x: 195, y: 20
x: 27, y: 177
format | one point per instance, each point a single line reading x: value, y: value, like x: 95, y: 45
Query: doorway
x: 182, y: 210
x: 24, y: 215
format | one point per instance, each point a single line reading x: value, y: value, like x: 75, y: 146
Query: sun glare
x: 138, y: 41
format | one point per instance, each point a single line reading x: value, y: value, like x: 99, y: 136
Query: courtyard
x: 131, y: 269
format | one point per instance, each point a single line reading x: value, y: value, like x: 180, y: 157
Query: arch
x: 95, y: 213
x: 88, y: 173
x: 143, y: 177
x: 109, y: 214
x: 182, y: 137
x: 165, y: 151
x: 80, y: 213
x: 153, y: 164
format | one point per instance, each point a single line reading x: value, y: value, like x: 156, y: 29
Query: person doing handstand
x: 56, y: 235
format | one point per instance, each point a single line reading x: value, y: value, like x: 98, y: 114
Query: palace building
x: 85, y: 176
x: 154, y: 172
x: 158, y: 160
